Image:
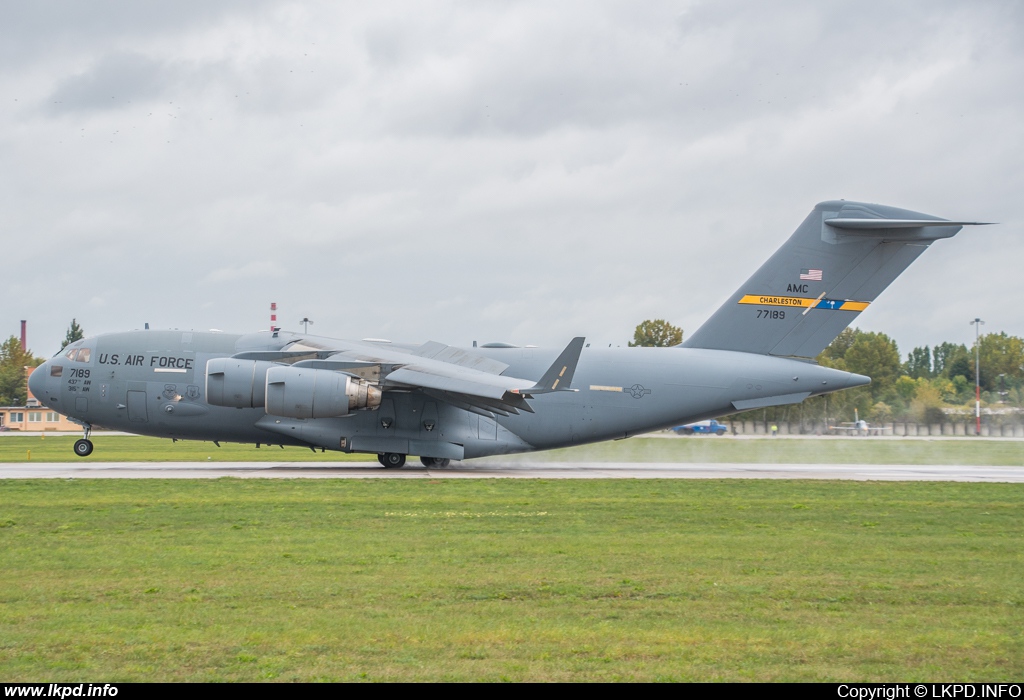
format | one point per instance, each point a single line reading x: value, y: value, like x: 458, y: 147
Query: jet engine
x: 236, y: 383
x: 293, y: 392
x: 299, y: 392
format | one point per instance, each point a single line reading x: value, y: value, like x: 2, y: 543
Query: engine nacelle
x: 299, y: 392
x: 236, y: 383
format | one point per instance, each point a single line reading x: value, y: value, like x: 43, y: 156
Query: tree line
x: 930, y: 382
x: 14, y: 361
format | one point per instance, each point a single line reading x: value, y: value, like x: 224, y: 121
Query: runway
x: 488, y: 469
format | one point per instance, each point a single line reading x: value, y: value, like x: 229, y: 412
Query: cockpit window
x: 56, y: 370
x: 78, y: 354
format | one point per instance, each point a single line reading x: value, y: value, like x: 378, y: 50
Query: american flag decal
x: 813, y: 275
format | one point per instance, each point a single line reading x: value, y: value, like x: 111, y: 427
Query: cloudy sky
x: 513, y: 171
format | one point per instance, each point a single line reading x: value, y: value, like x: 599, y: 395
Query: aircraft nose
x: 37, y: 380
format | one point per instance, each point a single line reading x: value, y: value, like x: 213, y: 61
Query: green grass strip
x: 131, y: 448
x: 971, y: 451
x: 182, y: 580
x: 712, y: 449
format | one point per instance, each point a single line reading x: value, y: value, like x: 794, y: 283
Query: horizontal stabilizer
x: 875, y: 224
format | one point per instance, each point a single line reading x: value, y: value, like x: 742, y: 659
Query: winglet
x: 559, y: 374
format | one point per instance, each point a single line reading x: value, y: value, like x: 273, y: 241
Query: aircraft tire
x: 83, y: 448
x: 392, y: 460
x: 428, y: 461
x: 442, y: 462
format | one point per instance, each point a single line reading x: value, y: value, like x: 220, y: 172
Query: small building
x: 34, y: 416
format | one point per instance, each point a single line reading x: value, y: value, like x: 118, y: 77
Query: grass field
x: 510, y: 580
x: 130, y: 448
x: 980, y: 452
x: 711, y: 449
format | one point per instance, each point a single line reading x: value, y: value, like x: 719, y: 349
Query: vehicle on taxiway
x: 704, y: 427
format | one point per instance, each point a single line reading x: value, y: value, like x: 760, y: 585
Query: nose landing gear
x: 83, y: 447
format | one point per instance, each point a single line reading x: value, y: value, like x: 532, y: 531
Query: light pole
x: 977, y: 323
x: 305, y: 325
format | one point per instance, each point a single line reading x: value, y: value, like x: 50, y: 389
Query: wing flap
x: 476, y: 384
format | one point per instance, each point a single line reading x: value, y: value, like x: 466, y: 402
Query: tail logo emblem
x: 804, y: 302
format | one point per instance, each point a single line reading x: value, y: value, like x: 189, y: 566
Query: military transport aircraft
x: 441, y: 403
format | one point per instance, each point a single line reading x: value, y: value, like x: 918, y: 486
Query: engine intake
x: 298, y: 392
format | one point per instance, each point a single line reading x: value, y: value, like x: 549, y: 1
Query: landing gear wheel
x: 83, y: 447
x: 380, y: 458
x: 392, y: 460
x: 442, y: 462
x: 428, y: 461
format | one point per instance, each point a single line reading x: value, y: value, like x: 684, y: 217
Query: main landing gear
x: 83, y: 447
x: 391, y: 460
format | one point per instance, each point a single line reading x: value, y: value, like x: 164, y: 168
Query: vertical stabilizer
x: 833, y: 267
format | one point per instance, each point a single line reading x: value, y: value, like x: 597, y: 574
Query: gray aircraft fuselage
x: 153, y: 383
x: 442, y: 403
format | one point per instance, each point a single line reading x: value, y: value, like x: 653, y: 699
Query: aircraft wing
x: 465, y: 388
x: 471, y: 388
x: 467, y: 380
x: 456, y: 380
x: 456, y: 356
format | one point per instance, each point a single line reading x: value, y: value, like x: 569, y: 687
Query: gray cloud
x: 32, y: 30
x: 114, y: 81
x: 494, y: 171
